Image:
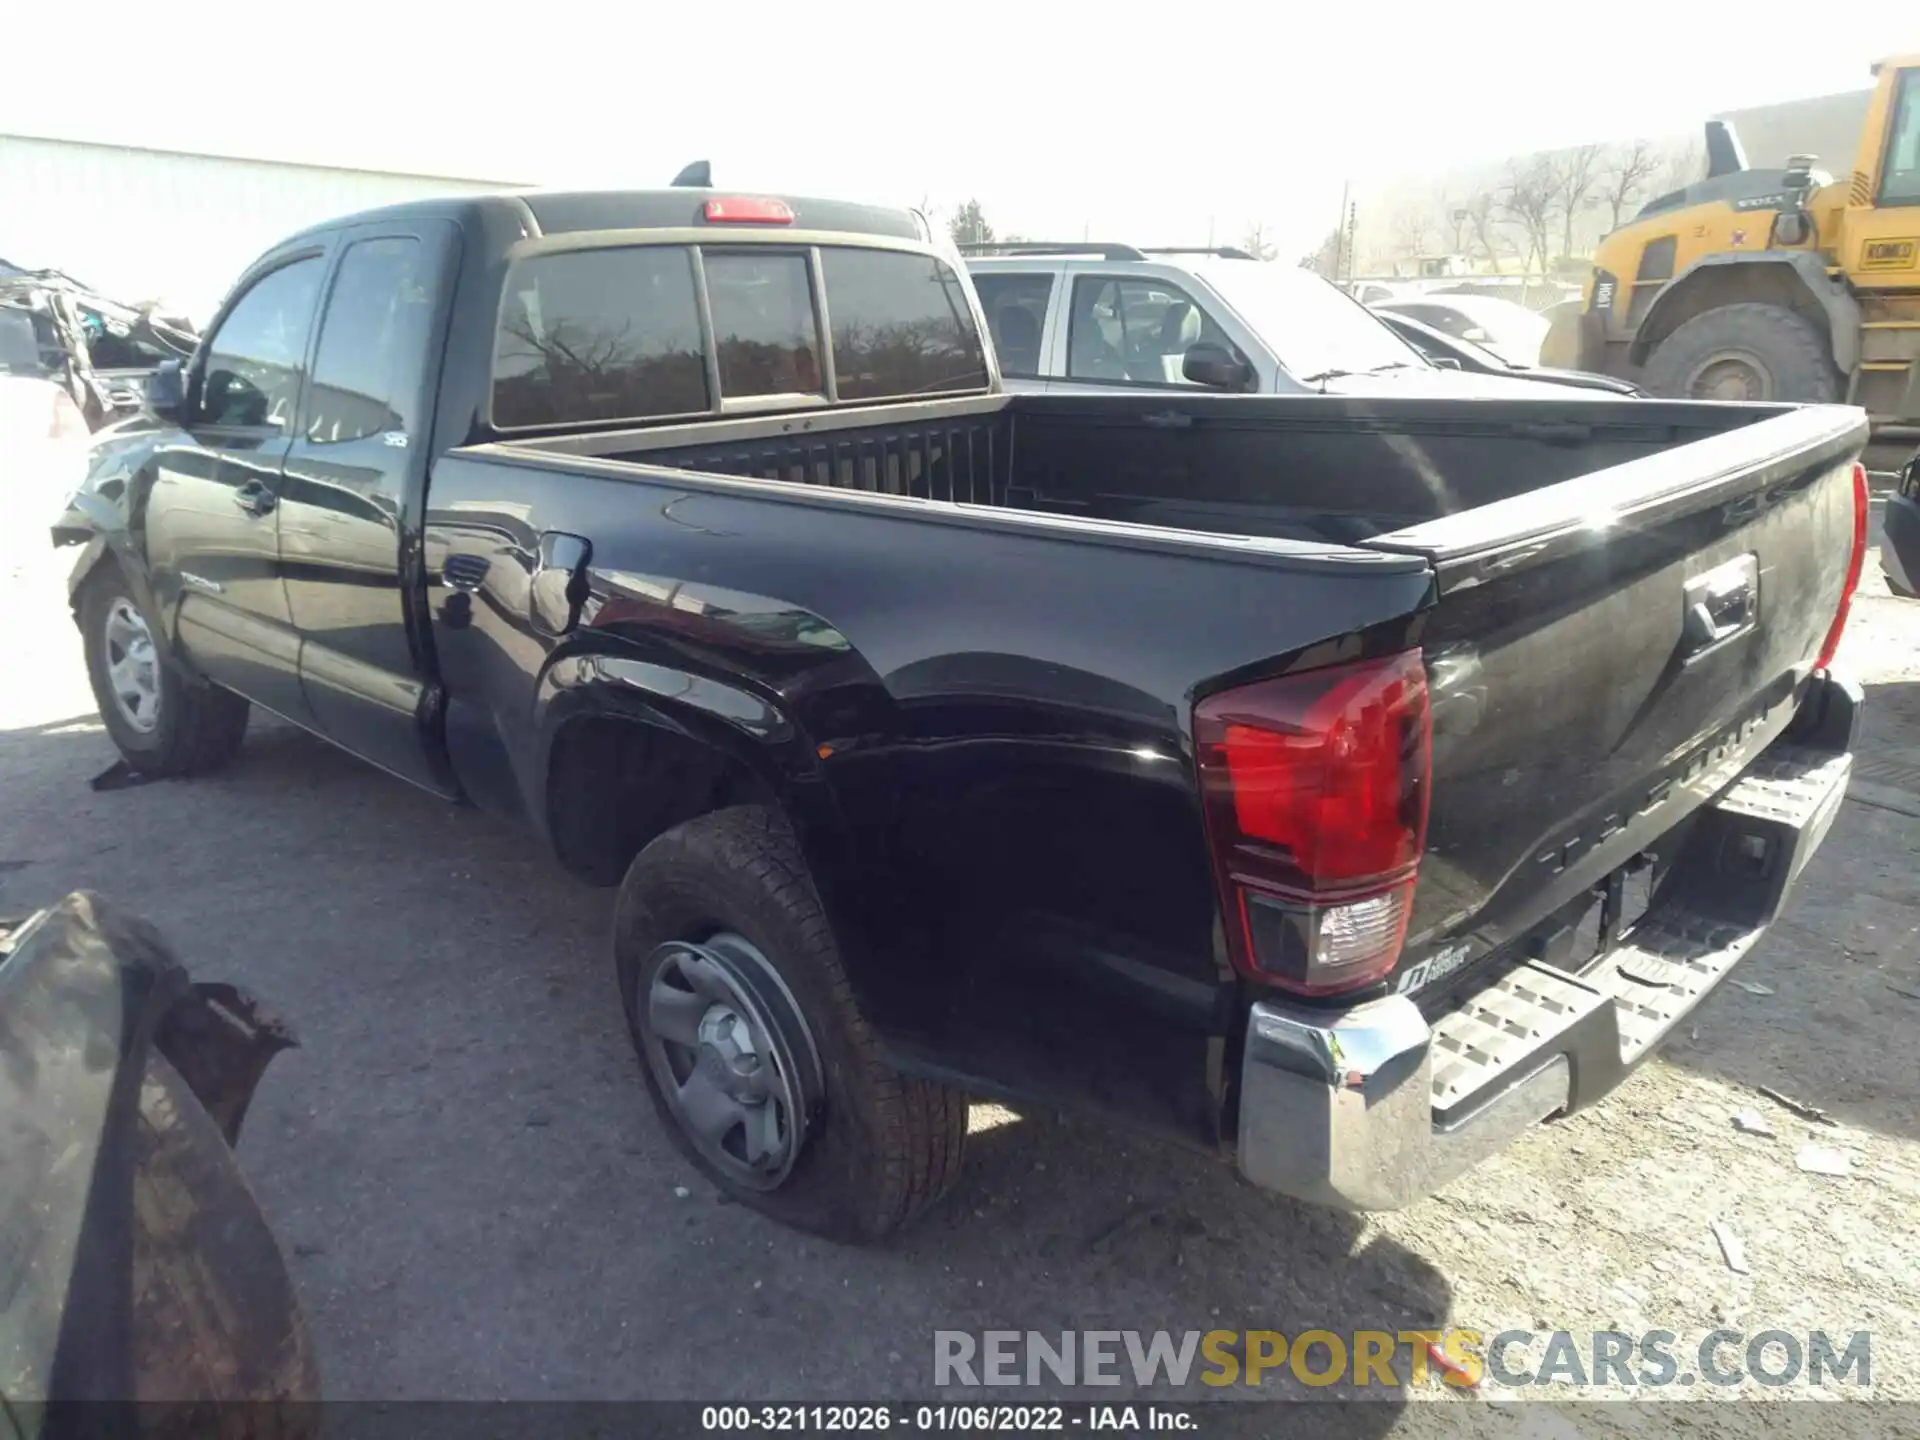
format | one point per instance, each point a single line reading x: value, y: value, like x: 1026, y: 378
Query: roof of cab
x: 559, y: 212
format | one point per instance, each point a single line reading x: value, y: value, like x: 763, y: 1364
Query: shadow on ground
x: 1842, y: 965
x: 477, y: 1201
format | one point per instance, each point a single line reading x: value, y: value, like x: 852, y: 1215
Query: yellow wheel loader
x: 1771, y: 284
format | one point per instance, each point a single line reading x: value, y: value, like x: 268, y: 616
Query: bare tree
x: 969, y: 225
x: 1628, y: 170
x: 1684, y: 165
x: 1411, y: 231
x: 1482, y: 212
x: 1529, y: 198
x: 1324, y: 258
x: 1575, y: 174
x: 1256, y: 243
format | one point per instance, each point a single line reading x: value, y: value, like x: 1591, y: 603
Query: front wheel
x: 164, y: 720
x: 753, y: 1049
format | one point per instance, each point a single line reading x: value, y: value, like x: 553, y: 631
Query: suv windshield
x: 1312, y: 327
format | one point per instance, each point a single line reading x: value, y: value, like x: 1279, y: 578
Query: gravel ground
x: 477, y: 1203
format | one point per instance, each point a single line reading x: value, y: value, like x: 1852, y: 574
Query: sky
x: 1152, y: 124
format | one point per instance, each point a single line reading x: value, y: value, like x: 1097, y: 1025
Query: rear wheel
x: 164, y: 720
x: 1745, y: 352
x: 752, y: 1046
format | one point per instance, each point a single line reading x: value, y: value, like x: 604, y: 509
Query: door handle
x: 255, y: 498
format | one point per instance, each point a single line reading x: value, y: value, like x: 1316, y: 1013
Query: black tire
x: 1769, y: 352
x: 196, y: 726
x: 883, y: 1146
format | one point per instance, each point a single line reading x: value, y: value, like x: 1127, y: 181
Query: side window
x: 1901, y: 183
x: 252, y: 372
x: 1135, y: 330
x: 901, y: 325
x: 596, y: 335
x: 373, y: 342
x: 763, y: 323
x: 1016, y: 307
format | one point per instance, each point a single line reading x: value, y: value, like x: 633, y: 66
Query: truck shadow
x: 1841, y: 967
x: 477, y: 1201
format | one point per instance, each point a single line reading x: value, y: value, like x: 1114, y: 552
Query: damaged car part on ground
x: 135, y: 1261
x: 1329, y: 783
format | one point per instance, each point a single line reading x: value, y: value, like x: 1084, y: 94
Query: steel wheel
x: 732, y: 1055
x: 1731, y: 375
x: 133, y: 665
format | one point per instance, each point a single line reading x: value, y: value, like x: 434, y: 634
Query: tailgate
x: 1609, y: 652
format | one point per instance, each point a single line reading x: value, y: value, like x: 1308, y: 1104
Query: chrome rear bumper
x: 1373, y: 1107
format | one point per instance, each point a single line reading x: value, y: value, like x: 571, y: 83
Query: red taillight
x: 747, y: 210
x: 1855, y: 564
x: 1315, y: 790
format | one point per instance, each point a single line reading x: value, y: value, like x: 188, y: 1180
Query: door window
x: 1016, y: 307
x: 251, y: 376
x: 1900, y: 185
x: 1135, y: 330
x: 372, y: 343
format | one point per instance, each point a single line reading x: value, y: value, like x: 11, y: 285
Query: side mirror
x: 1444, y: 362
x: 167, y: 390
x: 1217, y: 367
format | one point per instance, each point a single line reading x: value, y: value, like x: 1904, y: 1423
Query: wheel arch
x: 630, y: 748
x: 1795, y: 280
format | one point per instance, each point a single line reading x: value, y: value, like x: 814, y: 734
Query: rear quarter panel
x: 979, y: 726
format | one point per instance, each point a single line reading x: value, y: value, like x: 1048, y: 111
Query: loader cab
x: 1771, y: 285
x: 1880, y: 231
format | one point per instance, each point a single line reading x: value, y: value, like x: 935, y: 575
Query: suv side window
x: 1136, y: 330
x: 252, y: 372
x: 374, y: 332
x: 1016, y: 307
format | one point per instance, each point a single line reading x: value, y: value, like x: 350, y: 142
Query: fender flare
x: 1833, y: 296
x: 743, y: 726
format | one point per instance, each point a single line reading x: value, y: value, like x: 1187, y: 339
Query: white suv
x: 1092, y: 317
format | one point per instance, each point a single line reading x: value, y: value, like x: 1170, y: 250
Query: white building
x: 162, y: 224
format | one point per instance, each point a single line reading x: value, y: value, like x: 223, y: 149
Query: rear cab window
x: 644, y: 332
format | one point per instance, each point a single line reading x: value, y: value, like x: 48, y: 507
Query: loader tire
x: 1745, y: 352
x: 728, y: 967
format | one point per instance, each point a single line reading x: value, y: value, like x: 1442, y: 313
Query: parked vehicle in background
x: 1334, y: 784
x: 1787, y: 284
x: 97, y: 350
x: 1511, y: 331
x: 138, y: 1264
x: 1076, y: 317
x: 1444, y: 349
x: 1900, y: 533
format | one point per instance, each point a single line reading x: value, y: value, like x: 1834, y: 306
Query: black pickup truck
x: 1339, y: 785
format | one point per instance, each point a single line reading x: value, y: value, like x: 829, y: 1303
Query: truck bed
x: 1314, y: 469
x: 1561, y: 536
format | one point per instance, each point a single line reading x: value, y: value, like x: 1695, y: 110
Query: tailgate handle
x: 1721, y: 604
